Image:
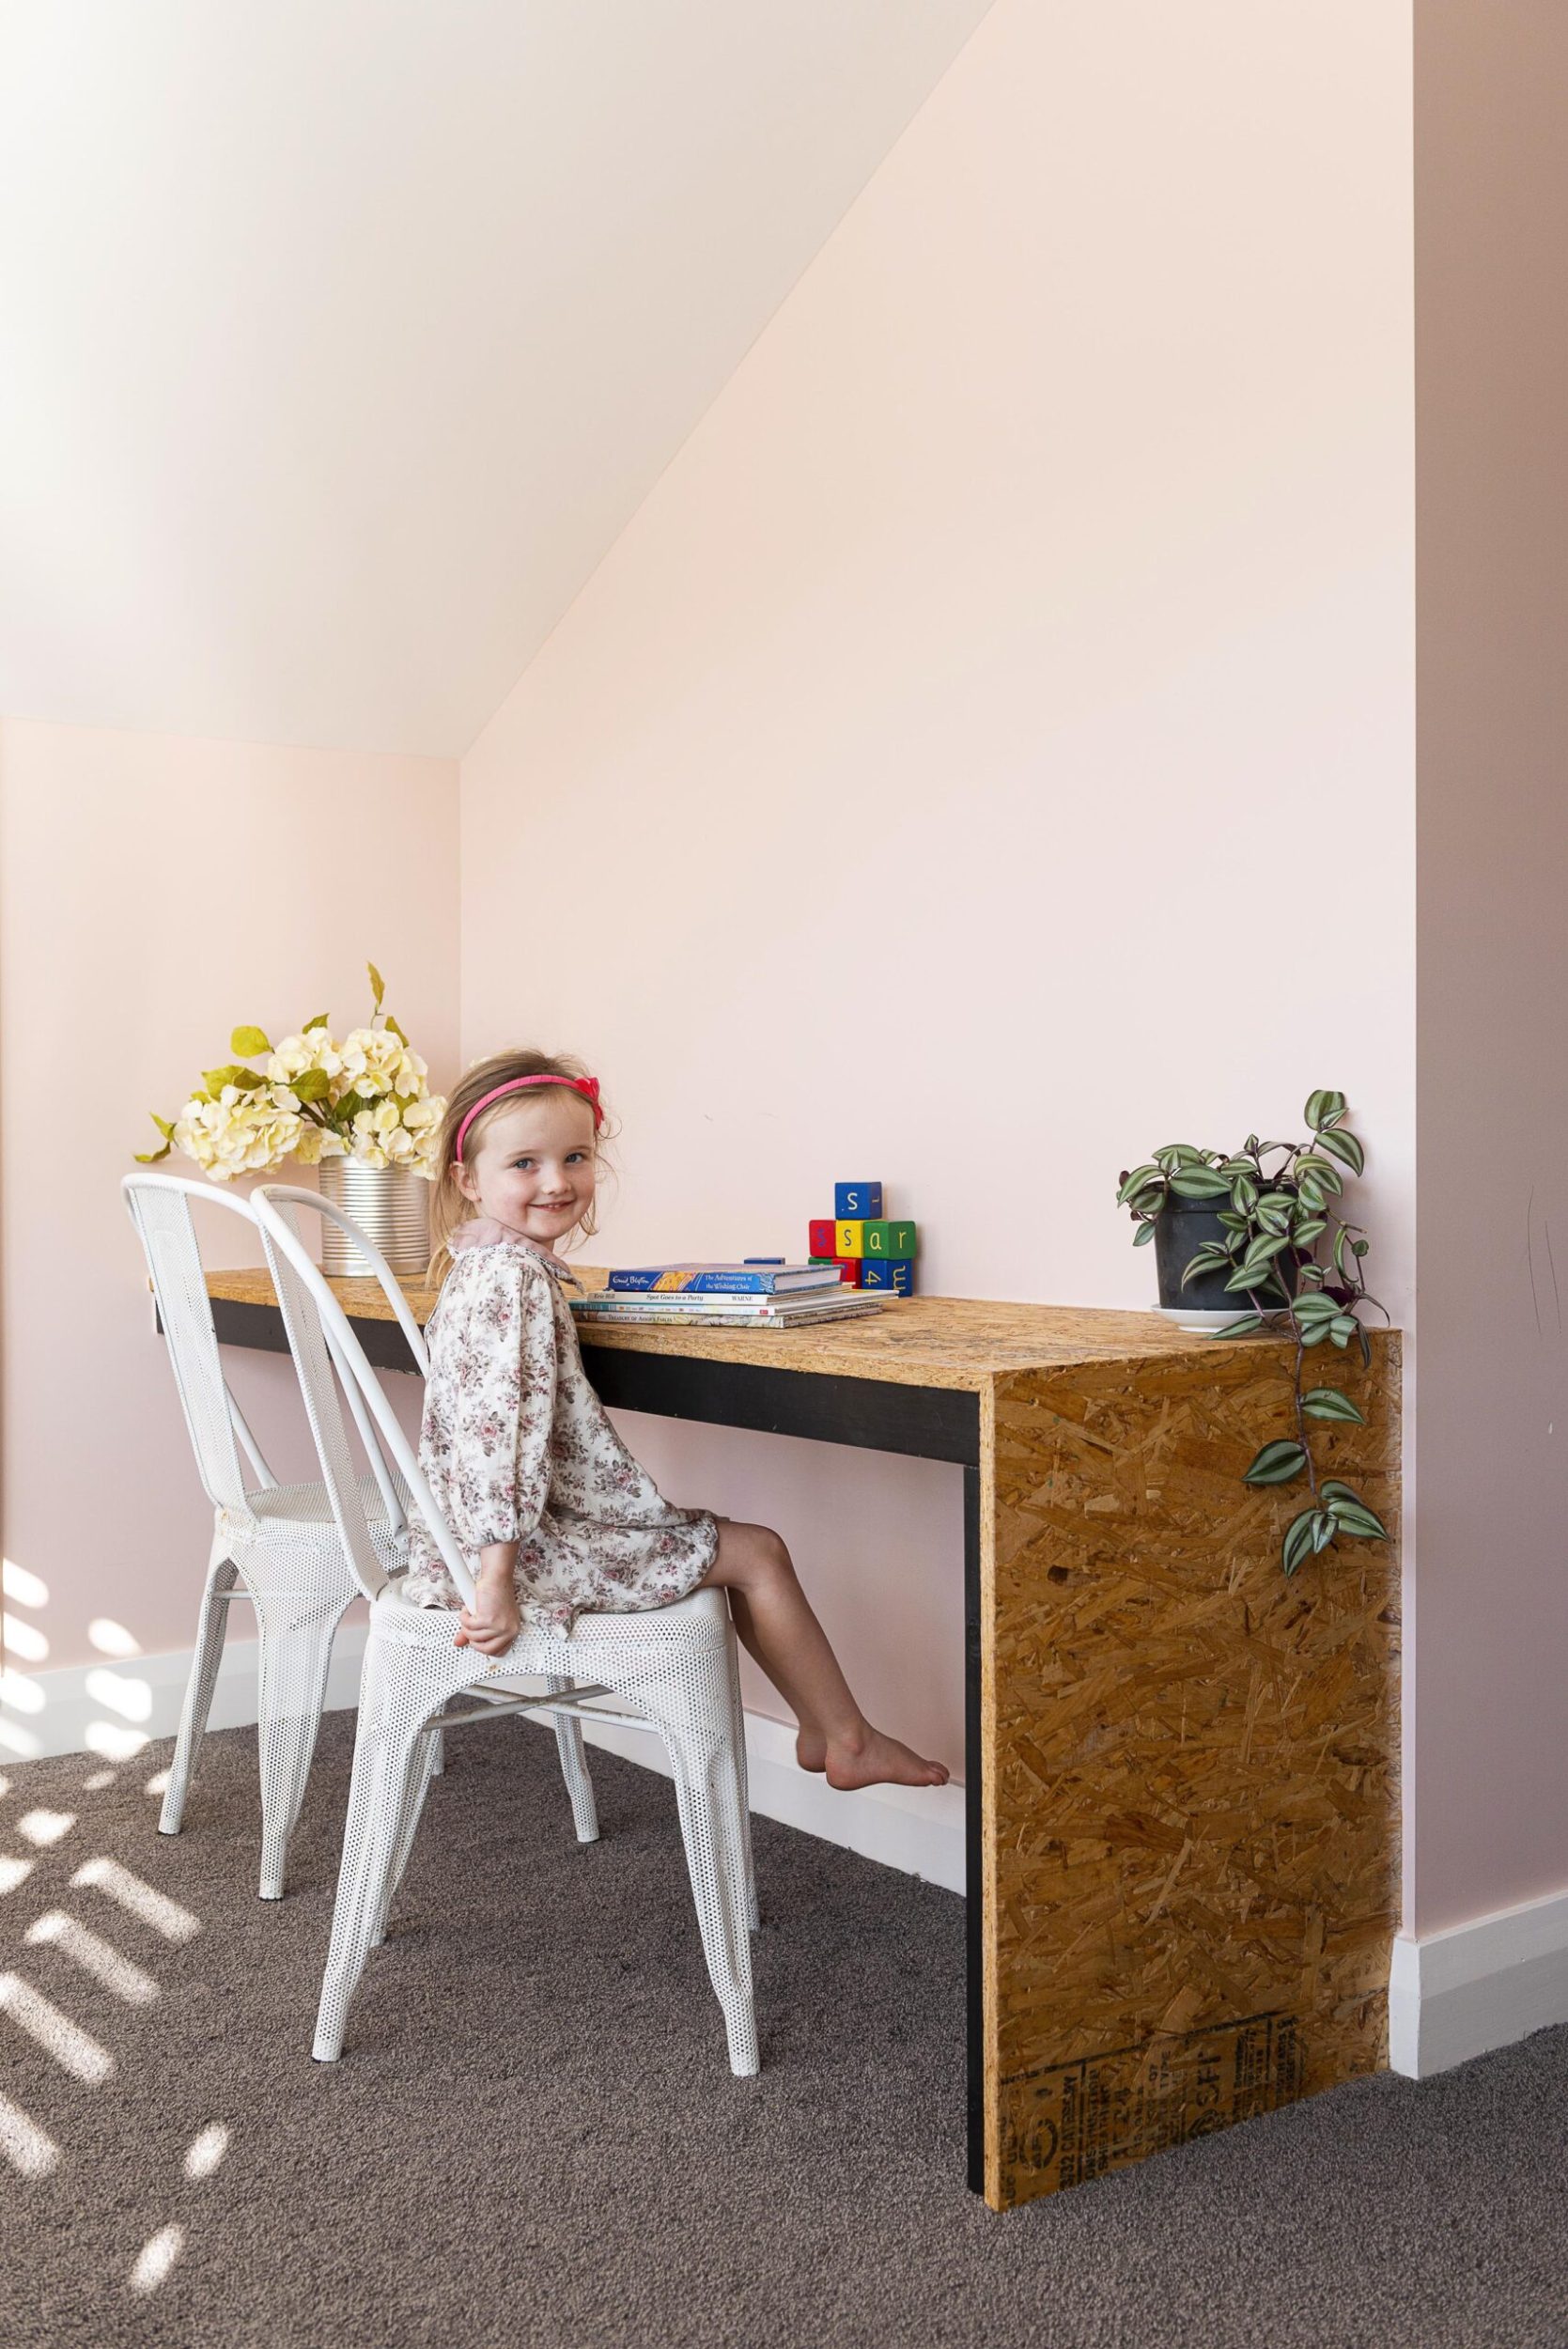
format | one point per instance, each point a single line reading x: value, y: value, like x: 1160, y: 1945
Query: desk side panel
x: 1192, y: 1811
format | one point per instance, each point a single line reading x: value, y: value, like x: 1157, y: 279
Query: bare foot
x: 877, y: 1759
x: 810, y: 1750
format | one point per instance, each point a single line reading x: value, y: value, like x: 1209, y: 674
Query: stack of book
x: 758, y: 1296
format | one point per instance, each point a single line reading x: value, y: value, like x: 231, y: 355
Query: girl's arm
x: 493, y: 1621
x: 503, y: 1415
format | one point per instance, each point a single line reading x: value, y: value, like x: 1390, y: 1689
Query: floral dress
x: 516, y: 1447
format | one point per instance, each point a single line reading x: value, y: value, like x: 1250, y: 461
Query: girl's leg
x: 776, y: 1626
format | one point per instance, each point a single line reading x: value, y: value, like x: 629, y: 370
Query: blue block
x: 888, y: 1272
x: 852, y: 1200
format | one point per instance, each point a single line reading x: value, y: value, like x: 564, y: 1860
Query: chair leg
x: 738, y: 1715
x: 708, y: 1795
x: 427, y: 1755
x: 211, y: 1628
x: 386, y: 1762
x: 296, y: 1631
x: 574, y: 1765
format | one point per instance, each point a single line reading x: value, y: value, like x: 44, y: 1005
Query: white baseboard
x: 114, y: 1708
x: 917, y: 1829
x: 1479, y: 1985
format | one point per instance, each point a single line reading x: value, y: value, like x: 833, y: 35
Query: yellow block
x: 851, y: 1239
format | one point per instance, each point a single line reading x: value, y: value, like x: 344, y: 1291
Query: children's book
x: 719, y: 1280
x: 786, y: 1312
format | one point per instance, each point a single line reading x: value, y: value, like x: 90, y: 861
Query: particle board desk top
x: 955, y: 1342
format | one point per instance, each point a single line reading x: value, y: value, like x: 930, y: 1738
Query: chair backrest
x: 320, y: 1337
x: 159, y: 1206
x: 390, y: 1286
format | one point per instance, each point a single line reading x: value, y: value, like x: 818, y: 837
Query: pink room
x: 782, y: 1532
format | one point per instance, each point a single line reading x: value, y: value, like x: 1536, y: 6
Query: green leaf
x: 1143, y: 1235
x: 1354, y: 1518
x: 1334, y: 1487
x: 1329, y: 1403
x: 316, y: 1019
x: 150, y: 1158
x: 1274, y: 1212
x: 1137, y: 1181
x: 378, y: 987
x: 1208, y: 1259
x: 348, y: 1107
x: 1359, y: 1247
x: 1178, y: 1154
x: 1321, y: 1107
x: 1321, y: 1171
x: 311, y: 1084
x: 1312, y: 1195
x: 1241, y: 1328
x: 1311, y: 1230
x: 1149, y: 1202
x: 396, y: 1031
x: 1232, y: 1222
x: 1244, y: 1194
x: 1266, y: 1246
x: 1199, y: 1182
x: 1314, y: 1311
x: 1298, y: 1542
x: 1324, y: 1528
x: 1277, y: 1463
x: 249, y: 1041
x: 1343, y: 1329
x: 246, y: 1079
x: 1345, y: 1146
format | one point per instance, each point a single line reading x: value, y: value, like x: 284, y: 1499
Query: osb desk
x: 1179, y: 1783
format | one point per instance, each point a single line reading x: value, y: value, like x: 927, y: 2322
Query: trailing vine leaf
x: 1299, y: 1540
x: 1321, y: 1107
x: 1144, y: 1233
x: 1277, y: 1464
x: 1199, y: 1182
x: 1345, y: 1146
x: 1329, y: 1403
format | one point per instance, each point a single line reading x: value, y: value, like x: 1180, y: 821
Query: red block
x: 849, y: 1269
x: 824, y: 1237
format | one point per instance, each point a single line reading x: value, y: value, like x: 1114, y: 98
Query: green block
x: 890, y: 1239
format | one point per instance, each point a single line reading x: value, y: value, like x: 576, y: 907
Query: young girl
x: 549, y: 1509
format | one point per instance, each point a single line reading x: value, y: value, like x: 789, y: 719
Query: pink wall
x: 1488, y: 1685
x: 153, y: 892
x: 988, y: 753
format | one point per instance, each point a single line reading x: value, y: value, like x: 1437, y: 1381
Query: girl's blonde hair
x: 448, y: 1206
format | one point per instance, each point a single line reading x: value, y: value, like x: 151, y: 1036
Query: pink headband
x: 587, y: 1086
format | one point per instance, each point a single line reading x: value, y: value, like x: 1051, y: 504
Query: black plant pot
x: 1181, y: 1228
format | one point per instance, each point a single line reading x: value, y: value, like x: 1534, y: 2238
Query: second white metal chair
x: 675, y: 1663
x: 276, y: 1544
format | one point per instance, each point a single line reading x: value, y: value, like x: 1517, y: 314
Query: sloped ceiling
x: 339, y: 338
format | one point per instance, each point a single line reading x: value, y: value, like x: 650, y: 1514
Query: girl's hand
x: 494, y: 1620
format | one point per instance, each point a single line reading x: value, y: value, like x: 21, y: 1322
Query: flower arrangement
x: 364, y: 1098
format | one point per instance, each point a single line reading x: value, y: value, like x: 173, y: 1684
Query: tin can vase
x: 390, y: 1206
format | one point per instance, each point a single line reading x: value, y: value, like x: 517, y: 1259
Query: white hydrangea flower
x: 376, y: 1061
x: 244, y: 1131
x: 315, y: 1049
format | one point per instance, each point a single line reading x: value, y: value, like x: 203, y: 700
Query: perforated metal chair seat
x: 307, y: 1509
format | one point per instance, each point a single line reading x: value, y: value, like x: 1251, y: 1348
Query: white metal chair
x: 675, y: 1663
x: 274, y: 1545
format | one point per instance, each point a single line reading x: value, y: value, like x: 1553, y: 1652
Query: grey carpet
x: 533, y: 2137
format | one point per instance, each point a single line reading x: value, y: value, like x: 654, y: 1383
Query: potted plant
x: 1262, y: 1227
x: 361, y: 1110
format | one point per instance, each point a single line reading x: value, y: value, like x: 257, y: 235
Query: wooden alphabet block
x: 850, y: 1236
x: 887, y: 1272
x: 903, y: 1240
x: 847, y: 1267
x: 856, y: 1200
x: 824, y: 1237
